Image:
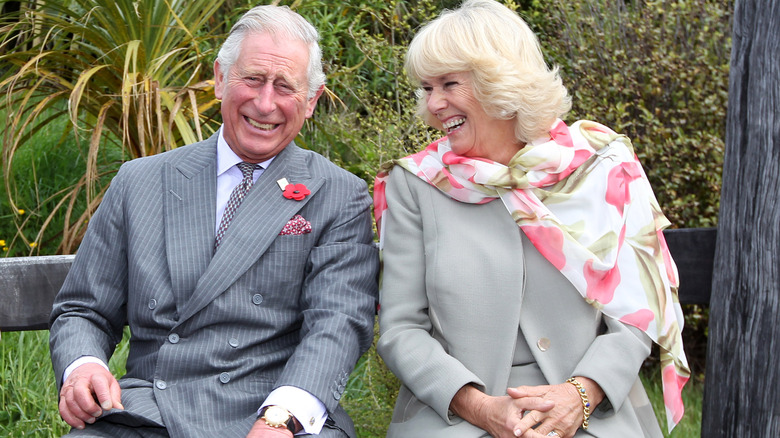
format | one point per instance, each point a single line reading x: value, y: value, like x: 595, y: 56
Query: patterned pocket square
x: 296, y: 226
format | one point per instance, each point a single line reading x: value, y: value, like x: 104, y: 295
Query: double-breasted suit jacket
x: 213, y: 333
x: 460, y: 284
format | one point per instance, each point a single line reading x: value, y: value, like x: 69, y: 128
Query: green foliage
x: 658, y: 72
x: 138, y: 86
x: 371, y: 394
x: 42, y: 173
x: 369, y: 115
x: 27, y: 391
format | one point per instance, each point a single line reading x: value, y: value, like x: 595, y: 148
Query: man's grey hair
x: 278, y: 21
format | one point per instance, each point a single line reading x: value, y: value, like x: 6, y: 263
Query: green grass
x: 43, y: 169
x: 28, y: 394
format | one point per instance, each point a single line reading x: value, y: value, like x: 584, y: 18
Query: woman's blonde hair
x: 504, y: 58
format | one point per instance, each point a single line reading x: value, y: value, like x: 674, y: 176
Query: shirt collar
x: 226, y: 158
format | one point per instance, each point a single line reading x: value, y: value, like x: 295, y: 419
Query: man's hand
x: 89, y: 390
x: 261, y: 430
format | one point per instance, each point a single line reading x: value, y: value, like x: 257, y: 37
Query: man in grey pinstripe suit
x: 255, y: 337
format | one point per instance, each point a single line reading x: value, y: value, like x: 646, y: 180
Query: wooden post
x: 742, y: 389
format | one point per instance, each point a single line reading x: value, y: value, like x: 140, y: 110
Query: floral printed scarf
x: 585, y: 203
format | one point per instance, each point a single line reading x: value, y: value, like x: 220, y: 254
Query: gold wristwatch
x: 277, y: 416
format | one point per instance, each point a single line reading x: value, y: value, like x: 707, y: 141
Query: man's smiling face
x: 264, y: 96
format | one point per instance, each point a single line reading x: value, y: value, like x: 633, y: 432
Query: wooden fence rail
x: 28, y: 284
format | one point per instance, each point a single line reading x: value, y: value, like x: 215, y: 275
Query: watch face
x: 276, y: 416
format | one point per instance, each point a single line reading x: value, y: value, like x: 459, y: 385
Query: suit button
x: 336, y: 395
x: 257, y: 299
x: 152, y: 304
x: 543, y: 344
x: 233, y: 342
x: 173, y: 338
x: 224, y: 377
x: 160, y: 384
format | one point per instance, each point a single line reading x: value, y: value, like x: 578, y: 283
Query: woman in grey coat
x: 525, y: 271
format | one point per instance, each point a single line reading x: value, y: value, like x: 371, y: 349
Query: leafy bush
x: 658, y: 72
x: 369, y: 117
x: 137, y: 87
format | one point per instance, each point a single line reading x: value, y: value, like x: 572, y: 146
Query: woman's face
x: 472, y: 132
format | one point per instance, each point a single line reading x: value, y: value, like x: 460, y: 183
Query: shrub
x: 134, y: 87
x: 658, y: 72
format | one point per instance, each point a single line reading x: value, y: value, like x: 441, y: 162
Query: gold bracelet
x: 585, y: 402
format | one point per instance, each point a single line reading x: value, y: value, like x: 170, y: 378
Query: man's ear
x: 219, y: 82
x: 313, y: 102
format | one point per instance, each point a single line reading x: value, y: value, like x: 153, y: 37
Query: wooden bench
x: 27, y: 289
x: 28, y: 284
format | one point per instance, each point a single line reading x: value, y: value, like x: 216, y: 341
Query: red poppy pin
x: 293, y: 191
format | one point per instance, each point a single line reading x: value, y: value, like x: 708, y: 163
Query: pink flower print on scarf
x: 552, y: 250
x: 618, y: 184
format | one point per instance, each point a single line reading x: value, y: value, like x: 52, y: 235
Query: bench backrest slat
x: 27, y: 289
x: 28, y: 284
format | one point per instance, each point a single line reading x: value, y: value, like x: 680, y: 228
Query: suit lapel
x: 190, y: 203
x: 257, y: 223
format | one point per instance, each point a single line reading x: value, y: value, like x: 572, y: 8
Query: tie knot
x: 247, y: 169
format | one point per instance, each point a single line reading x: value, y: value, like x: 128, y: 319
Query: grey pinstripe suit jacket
x: 212, y: 335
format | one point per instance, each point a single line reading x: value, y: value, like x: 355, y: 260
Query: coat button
x: 543, y: 344
x: 173, y: 338
x: 224, y: 377
x: 257, y: 299
x: 160, y: 384
x: 336, y: 395
x: 152, y: 304
x: 233, y: 342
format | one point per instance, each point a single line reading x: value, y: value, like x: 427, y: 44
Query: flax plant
x: 128, y: 74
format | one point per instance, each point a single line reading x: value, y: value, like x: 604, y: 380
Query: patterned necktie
x: 247, y: 169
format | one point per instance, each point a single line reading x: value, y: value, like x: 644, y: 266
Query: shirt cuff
x: 81, y: 361
x: 306, y: 408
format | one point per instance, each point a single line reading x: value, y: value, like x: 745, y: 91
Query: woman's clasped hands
x: 566, y: 414
x: 526, y: 411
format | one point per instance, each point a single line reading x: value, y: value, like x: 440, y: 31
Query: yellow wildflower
x: 33, y: 244
x: 21, y: 211
x: 5, y: 248
x: 2, y: 242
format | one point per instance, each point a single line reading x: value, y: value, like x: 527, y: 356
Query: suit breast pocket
x: 292, y: 243
x: 284, y: 266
